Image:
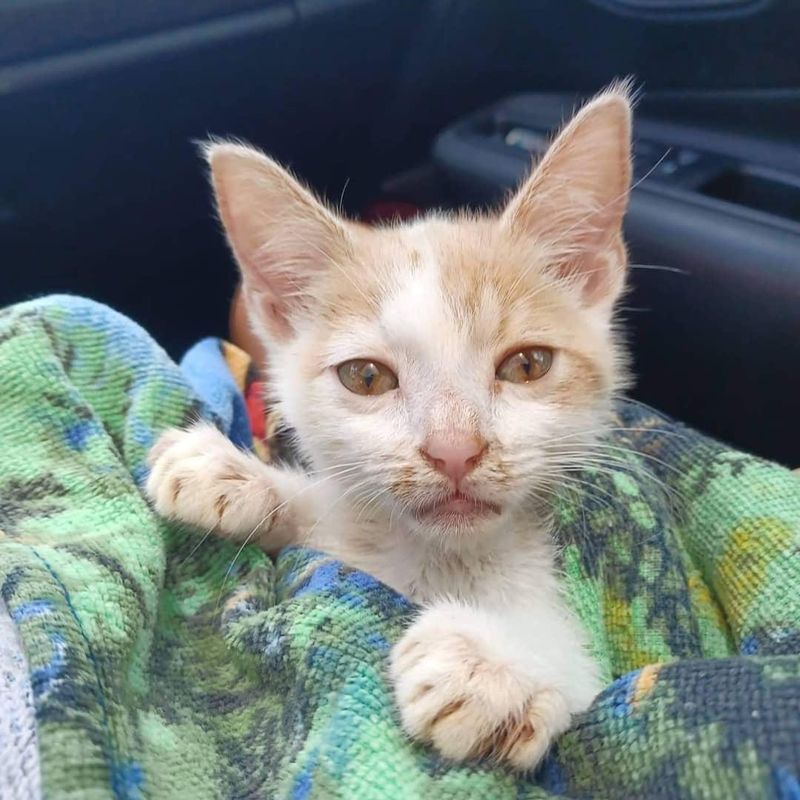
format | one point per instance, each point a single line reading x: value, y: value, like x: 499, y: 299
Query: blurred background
x: 392, y: 107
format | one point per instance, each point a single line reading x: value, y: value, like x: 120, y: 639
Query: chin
x: 457, y: 517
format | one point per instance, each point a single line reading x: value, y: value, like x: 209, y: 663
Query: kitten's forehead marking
x: 416, y: 306
x: 422, y: 328
x: 427, y: 331
x: 433, y: 314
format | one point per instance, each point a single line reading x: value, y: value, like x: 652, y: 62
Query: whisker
x: 271, y: 513
x: 375, y: 496
x: 196, y: 546
x: 307, y: 537
x: 635, y: 453
x: 620, y: 196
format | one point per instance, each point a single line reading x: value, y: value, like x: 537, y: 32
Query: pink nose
x: 454, y: 456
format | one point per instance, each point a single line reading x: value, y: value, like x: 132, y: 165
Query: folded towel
x: 164, y: 666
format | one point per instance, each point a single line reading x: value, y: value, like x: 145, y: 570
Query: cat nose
x: 454, y: 456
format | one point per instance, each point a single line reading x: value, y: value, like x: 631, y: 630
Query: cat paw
x: 199, y: 477
x: 467, y: 702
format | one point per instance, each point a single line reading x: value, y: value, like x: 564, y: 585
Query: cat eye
x: 362, y: 376
x: 526, y: 365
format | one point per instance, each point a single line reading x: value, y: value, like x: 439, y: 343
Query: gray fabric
x: 19, y: 753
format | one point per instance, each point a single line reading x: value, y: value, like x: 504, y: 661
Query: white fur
x: 497, y: 639
x: 495, y: 664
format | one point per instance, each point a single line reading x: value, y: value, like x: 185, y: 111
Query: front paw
x: 471, y: 703
x: 200, y: 477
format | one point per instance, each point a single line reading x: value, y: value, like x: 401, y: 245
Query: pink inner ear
x: 599, y: 271
x: 279, y: 321
x: 599, y: 263
x: 281, y: 235
x: 265, y: 311
x: 576, y: 197
x: 276, y: 292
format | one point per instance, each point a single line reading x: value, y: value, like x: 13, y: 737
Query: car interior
x: 421, y: 104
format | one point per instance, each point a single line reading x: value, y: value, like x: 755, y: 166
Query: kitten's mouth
x: 458, y: 507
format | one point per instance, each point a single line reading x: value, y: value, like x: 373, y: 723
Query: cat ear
x: 281, y: 235
x: 575, y: 199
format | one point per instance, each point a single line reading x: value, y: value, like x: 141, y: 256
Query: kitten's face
x: 447, y: 370
x: 442, y: 305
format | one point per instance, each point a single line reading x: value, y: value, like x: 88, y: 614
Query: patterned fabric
x: 208, y: 369
x: 166, y: 665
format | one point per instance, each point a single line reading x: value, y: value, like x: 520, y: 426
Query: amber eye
x: 526, y: 365
x: 366, y: 377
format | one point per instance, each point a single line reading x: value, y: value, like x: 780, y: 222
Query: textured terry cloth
x: 19, y: 752
x: 158, y: 674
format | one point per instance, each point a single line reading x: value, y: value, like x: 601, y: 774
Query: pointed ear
x: 576, y: 197
x: 281, y: 235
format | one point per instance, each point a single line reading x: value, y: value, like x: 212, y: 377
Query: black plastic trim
x: 682, y: 10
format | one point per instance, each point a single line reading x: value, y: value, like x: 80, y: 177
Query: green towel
x: 161, y: 671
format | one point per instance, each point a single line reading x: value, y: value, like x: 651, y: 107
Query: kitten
x: 438, y: 374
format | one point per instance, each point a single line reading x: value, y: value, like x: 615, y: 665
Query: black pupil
x: 526, y: 362
x: 368, y: 375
